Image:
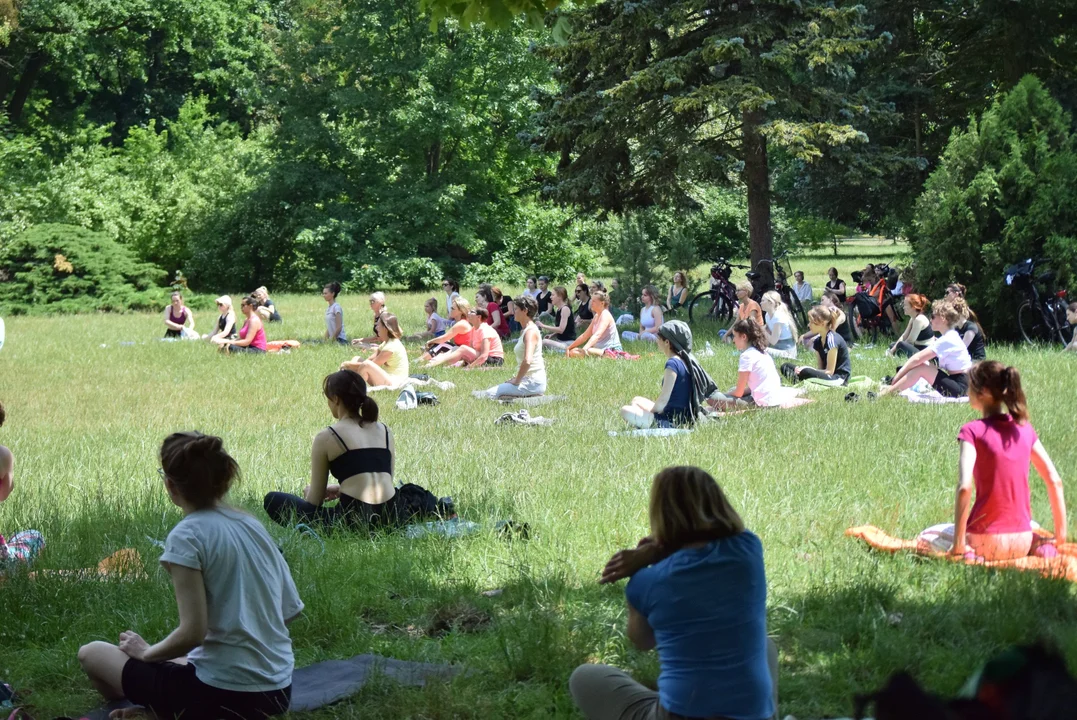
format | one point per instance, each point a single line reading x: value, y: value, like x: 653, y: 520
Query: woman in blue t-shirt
x: 674, y: 404
x: 698, y: 595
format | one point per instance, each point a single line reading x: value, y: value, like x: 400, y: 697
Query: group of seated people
x: 257, y: 309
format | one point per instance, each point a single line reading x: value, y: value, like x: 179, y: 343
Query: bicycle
x: 782, y: 271
x: 1041, y: 318
x: 717, y: 304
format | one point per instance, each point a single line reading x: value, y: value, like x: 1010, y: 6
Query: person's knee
x: 581, y: 681
x: 91, y: 652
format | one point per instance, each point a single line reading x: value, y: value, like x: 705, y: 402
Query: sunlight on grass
x: 87, y: 411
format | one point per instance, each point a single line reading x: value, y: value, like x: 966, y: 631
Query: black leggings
x: 905, y: 349
x: 814, y: 374
x: 285, y: 509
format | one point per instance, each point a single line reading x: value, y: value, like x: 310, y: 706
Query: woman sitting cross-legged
x: 650, y: 317
x: 559, y: 336
x: 918, y: 332
x: 697, y: 594
x: 387, y: 365
x: 995, y: 455
x: 679, y: 403
x: 458, y: 334
x: 179, y: 320
x: 950, y: 378
x: 747, y: 309
x: 831, y: 351
x: 485, y: 348
x: 359, y: 452
x: 678, y: 292
x: 601, y: 335
x: 530, y: 378
x: 845, y: 326
x: 230, y: 656
x: 758, y: 382
x: 252, y: 337
x: 226, y: 323
x: 584, y: 314
x: 780, y: 326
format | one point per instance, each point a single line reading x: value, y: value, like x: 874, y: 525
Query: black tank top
x: 832, y: 286
x: 570, y: 326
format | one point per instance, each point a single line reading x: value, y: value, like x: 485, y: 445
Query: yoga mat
x: 787, y: 405
x: 650, y: 432
x: 332, y: 680
x: 531, y: 401
x: 1064, y: 565
x: 931, y: 397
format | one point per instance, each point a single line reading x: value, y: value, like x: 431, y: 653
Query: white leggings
x: 629, y: 335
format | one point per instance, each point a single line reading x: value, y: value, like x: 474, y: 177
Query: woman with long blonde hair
x: 780, y: 327
x: 697, y: 594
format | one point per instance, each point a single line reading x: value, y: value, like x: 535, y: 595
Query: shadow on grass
x: 846, y: 638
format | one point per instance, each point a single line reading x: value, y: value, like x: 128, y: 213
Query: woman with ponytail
x: 970, y: 331
x: 231, y: 655
x: 358, y: 451
x: 995, y: 455
x: 830, y: 348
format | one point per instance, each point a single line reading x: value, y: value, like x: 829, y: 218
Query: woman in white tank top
x: 650, y: 317
x: 530, y: 379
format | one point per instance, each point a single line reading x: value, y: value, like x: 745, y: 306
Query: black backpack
x: 866, y: 305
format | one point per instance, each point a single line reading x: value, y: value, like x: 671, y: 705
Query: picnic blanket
x: 856, y: 382
x: 1063, y: 565
x: 276, y: 346
x: 327, y: 682
x: 439, y: 384
x: 125, y: 564
x: 650, y: 432
x: 616, y: 354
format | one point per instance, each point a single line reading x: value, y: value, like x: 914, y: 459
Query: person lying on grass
x: 678, y: 404
x: 950, y: 378
x: 697, y: 595
x: 458, y: 334
x: 24, y: 545
x: 485, y: 348
x: 780, y: 326
x: 252, y: 336
x: 601, y: 335
x: 358, y: 451
x: 435, y: 324
x: 747, y: 309
x: 231, y: 655
x: 918, y: 332
x: 831, y: 352
x: 758, y: 382
x: 561, y: 334
x: 530, y: 378
x: 994, y: 458
x: 178, y: 318
x: 387, y: 365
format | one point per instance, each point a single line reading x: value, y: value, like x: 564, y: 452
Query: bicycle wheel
x: 1056, y: 314
x: 709, y: 309
x: 797, y: 308
x: 1030, y: 320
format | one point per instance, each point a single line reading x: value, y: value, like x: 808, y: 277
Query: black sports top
x: 833, y: 285
x: 570, y: 326
x: 361, y: 460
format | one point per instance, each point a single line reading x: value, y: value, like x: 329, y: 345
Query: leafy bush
x: 1005, y: 190
x: 64, y: 268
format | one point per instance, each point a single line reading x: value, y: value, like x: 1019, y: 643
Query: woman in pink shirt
x: 995, y: 455
x: 485, y: 347
x: 252, y: 338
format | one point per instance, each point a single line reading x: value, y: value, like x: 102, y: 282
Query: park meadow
x: 90, y: 397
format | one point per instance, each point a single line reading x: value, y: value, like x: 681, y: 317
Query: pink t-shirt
x: 1003, y: 455
x: 483, y: 332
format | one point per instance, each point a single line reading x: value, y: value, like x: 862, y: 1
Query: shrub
x: 65, y: 268
x: 1005, y: 190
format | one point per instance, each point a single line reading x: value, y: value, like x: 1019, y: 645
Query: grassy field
x: 87, y: 410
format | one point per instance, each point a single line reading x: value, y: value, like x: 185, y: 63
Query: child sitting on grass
x: 830, y: 349
x: 950, y: 378
x: 435, y: 324
x: 995, y: 455
x: 230, y: 656
x: 758, y: 382
x: 23, y: 546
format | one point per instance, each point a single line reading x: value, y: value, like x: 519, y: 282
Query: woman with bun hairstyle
x: 252, y: 336
x: 970, y: 331
x: 231, y: 655
x: 601, y: 335
x: 995, y: 455
x: 830, y: 348
x: 918, y: 332
x: 388, y: 361
x: 698, y: 596
x: 360, y: 454
x: 560, y: 335
x: 334, y: 315
x: 950, y: 377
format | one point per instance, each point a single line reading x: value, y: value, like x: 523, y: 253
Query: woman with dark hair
x: 452, y: 291
x: 334, y: 315
x: 530, y: 378
x: 360, y: 454
x: 584, y: 314
x: 179, y: 320
x: 231, y: 655
x: 697, y: 595
x: 252, y: 337
x: 559, y: 336
x: 836, y: 285
x: 685, y: 384
x: 484, y: 298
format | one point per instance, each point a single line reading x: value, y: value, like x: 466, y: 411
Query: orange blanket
x: 1064, y: 565
x: 277, y: 345
x: 125, y: 564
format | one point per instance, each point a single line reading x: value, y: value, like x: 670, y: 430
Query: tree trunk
x: 756, y: 177
x: 27, y: 80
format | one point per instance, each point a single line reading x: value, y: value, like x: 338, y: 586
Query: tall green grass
x: 87, y: 412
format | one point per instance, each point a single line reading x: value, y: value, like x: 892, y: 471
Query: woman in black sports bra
x: 358, y: 451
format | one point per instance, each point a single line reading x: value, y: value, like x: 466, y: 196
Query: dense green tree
x: 657, y: 95
x: 1004, y: 191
